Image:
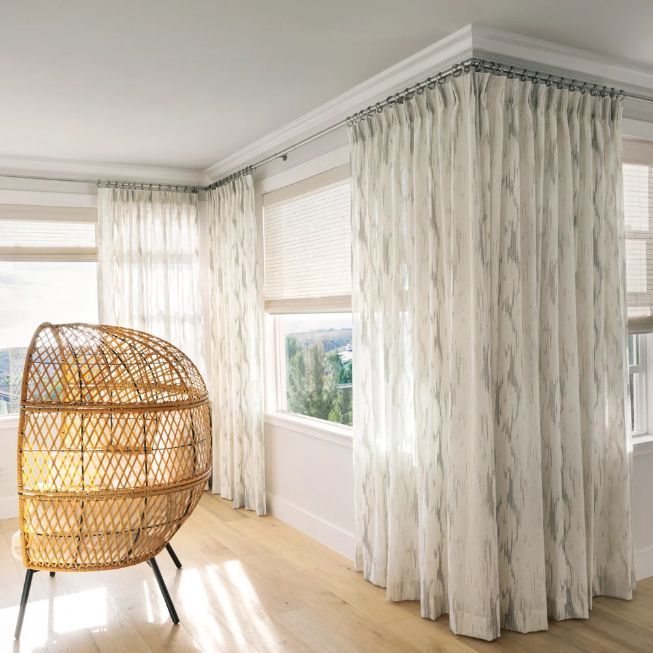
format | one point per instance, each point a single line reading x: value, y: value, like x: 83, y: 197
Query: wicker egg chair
x: 114, y: 450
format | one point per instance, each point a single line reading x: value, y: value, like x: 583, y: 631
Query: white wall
x: 8, y: 498
x: 310, y: 485
x: 643, y: 509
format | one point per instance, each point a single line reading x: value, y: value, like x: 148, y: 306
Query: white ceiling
x: 184, y: 84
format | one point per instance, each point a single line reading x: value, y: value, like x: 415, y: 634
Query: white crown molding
x: 553, y: 56
x: 544, y: 56
x: 14, y: 165
x: 439, y: 55
x: 507, y: 47
x: 472, y: 40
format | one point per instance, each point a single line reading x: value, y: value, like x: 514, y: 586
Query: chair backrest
x: 114, y: 446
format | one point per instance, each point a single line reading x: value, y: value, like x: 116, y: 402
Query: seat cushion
x: 16, y: 546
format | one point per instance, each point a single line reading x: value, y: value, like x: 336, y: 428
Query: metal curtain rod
x: 109, y: 184
x: 144, y: 186
x: 472, y: 64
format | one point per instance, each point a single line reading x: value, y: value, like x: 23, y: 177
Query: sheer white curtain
x: 236, y: 366
x: 490, y: 453
x: 149, y: 276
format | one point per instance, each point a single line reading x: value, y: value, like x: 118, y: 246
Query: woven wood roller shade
x: 307, y: 237
x: 114, y: 446
x: 638, y: 214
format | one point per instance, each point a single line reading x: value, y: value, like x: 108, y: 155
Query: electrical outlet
x: 3, y: 475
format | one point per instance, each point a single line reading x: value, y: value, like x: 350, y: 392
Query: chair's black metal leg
x: 173, y: 555
x: 23, y: 601
x: 164, y: 590
x: 52, y: 574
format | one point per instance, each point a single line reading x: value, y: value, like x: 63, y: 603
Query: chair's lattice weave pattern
x: 114, y: 446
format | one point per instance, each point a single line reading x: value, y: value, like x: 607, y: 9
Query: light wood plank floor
x: 254, y: 584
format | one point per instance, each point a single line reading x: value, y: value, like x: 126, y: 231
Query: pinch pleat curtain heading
x: 236, y: 366
x: 149, y: 267
x: 490, y: 450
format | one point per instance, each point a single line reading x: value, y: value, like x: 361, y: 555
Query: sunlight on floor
x: 56, y: 615
x: 148, y: 602
x: 233, y: 588
x: 226, y: 611
x: 193, y: 598
x: 238, y: 577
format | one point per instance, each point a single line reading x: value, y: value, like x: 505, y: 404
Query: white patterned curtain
x: 149, y: 270
x: 236, y: 366
x: 490, y: 452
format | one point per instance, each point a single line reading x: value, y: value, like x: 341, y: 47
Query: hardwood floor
x: 255, y: 584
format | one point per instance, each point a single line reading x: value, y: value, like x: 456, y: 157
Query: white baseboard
x: 323, y: 531
x: 644, y: 563
x: 8, y: 507
x: 342, y: 541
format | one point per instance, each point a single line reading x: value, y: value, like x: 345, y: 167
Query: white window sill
x: 315, y: 428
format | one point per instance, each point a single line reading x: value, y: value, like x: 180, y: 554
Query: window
x: 316, y: 371
x: 48, y: 273
x: 638, y: 215
x: 307, y: 240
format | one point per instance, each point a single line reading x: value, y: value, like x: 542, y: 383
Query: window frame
x: 641, y: 368
x: 33, y: 209
x: 279, y: 388
x: 274, y: 347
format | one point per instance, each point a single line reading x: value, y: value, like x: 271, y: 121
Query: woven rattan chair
x: 114, y: 450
